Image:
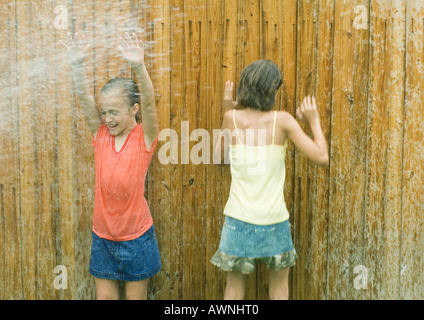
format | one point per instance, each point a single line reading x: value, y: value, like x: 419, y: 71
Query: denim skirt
x: 132, y: 260
x: 244, y: 245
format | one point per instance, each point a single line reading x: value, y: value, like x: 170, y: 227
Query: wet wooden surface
x: 363, y: 215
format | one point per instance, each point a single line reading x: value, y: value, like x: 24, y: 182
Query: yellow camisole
x: 257, y: 186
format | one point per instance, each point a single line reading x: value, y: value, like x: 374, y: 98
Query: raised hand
x: 228, y: 90
x: 308, y: 110
x: 132, y: 49
x: 77, y: 49
x: 228, y: 96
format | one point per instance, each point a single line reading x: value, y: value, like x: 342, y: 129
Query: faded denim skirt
x: 244, y: 245
x: 132, y: 260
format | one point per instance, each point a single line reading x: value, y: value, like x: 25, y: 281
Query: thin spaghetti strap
x: 273, y: 129
x: 235, y: 125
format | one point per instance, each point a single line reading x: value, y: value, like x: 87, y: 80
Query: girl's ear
x: 136, y: 112
x: 135, y: 108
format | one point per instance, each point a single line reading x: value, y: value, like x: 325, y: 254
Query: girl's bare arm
x: 316, y: 148
x: 221, y: 148
x: 133, y: 52
x: 77, y: 54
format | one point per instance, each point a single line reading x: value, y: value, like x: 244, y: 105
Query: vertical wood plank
x: 306, y: 70
x: 65, y: 135
x: 101, y: 29
x: 363, y: 210
x: 358, y: 101
x: 159, y: 178
x: 27, y: 152
x: 320, y: 182
x: 177, y: 100
x: 229, y: 45
x: 252, y: 23
x: 411, y: 276
x: 376, y: 152
x: 230, y: 67
x: 339, y: 284
x: 82, y: 17
x: 193, y: 174
x: 10, y: 263
x: 214, y: 71
x: 395, y: 102
x: 288, y: 35
x: 43, y: 89
x: 120, y: 20
x: 240, y: 37
x: 271, y: 46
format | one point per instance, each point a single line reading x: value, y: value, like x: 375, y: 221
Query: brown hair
x: 258, y: 84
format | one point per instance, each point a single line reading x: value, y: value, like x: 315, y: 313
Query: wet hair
x: 258, y: 84
x: 129, y: 87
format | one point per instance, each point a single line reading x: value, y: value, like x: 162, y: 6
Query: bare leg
x: 279, y: 284
x: 107, y: 289
x: 234, y: 289
x: 136, y: 290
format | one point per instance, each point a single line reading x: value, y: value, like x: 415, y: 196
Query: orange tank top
x: 121, y: 212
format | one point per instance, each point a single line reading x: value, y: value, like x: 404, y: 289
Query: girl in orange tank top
x: 124, y: 246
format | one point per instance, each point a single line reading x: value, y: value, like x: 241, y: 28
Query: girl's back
x: 257, y: 127
x: 257, y: 170
x: 256, y: 227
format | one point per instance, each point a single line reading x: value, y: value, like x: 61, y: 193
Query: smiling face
x: 117, y: 113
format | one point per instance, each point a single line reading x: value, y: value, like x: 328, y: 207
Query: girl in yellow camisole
x: 254, y: 141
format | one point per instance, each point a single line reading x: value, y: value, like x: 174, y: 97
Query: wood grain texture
x: 364, y: 210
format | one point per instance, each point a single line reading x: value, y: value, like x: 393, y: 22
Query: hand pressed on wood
x: 228, y: 96
x: 308, y: 110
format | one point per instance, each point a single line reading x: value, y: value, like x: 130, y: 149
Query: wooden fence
x: 358, y: 225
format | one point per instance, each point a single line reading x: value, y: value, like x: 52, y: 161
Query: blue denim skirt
x: 244, y: 245
x: 132, y: 260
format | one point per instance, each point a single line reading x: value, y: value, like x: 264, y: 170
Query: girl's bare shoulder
x: 285, y: 120
x: 284, y: 116
x: 227, y: 122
